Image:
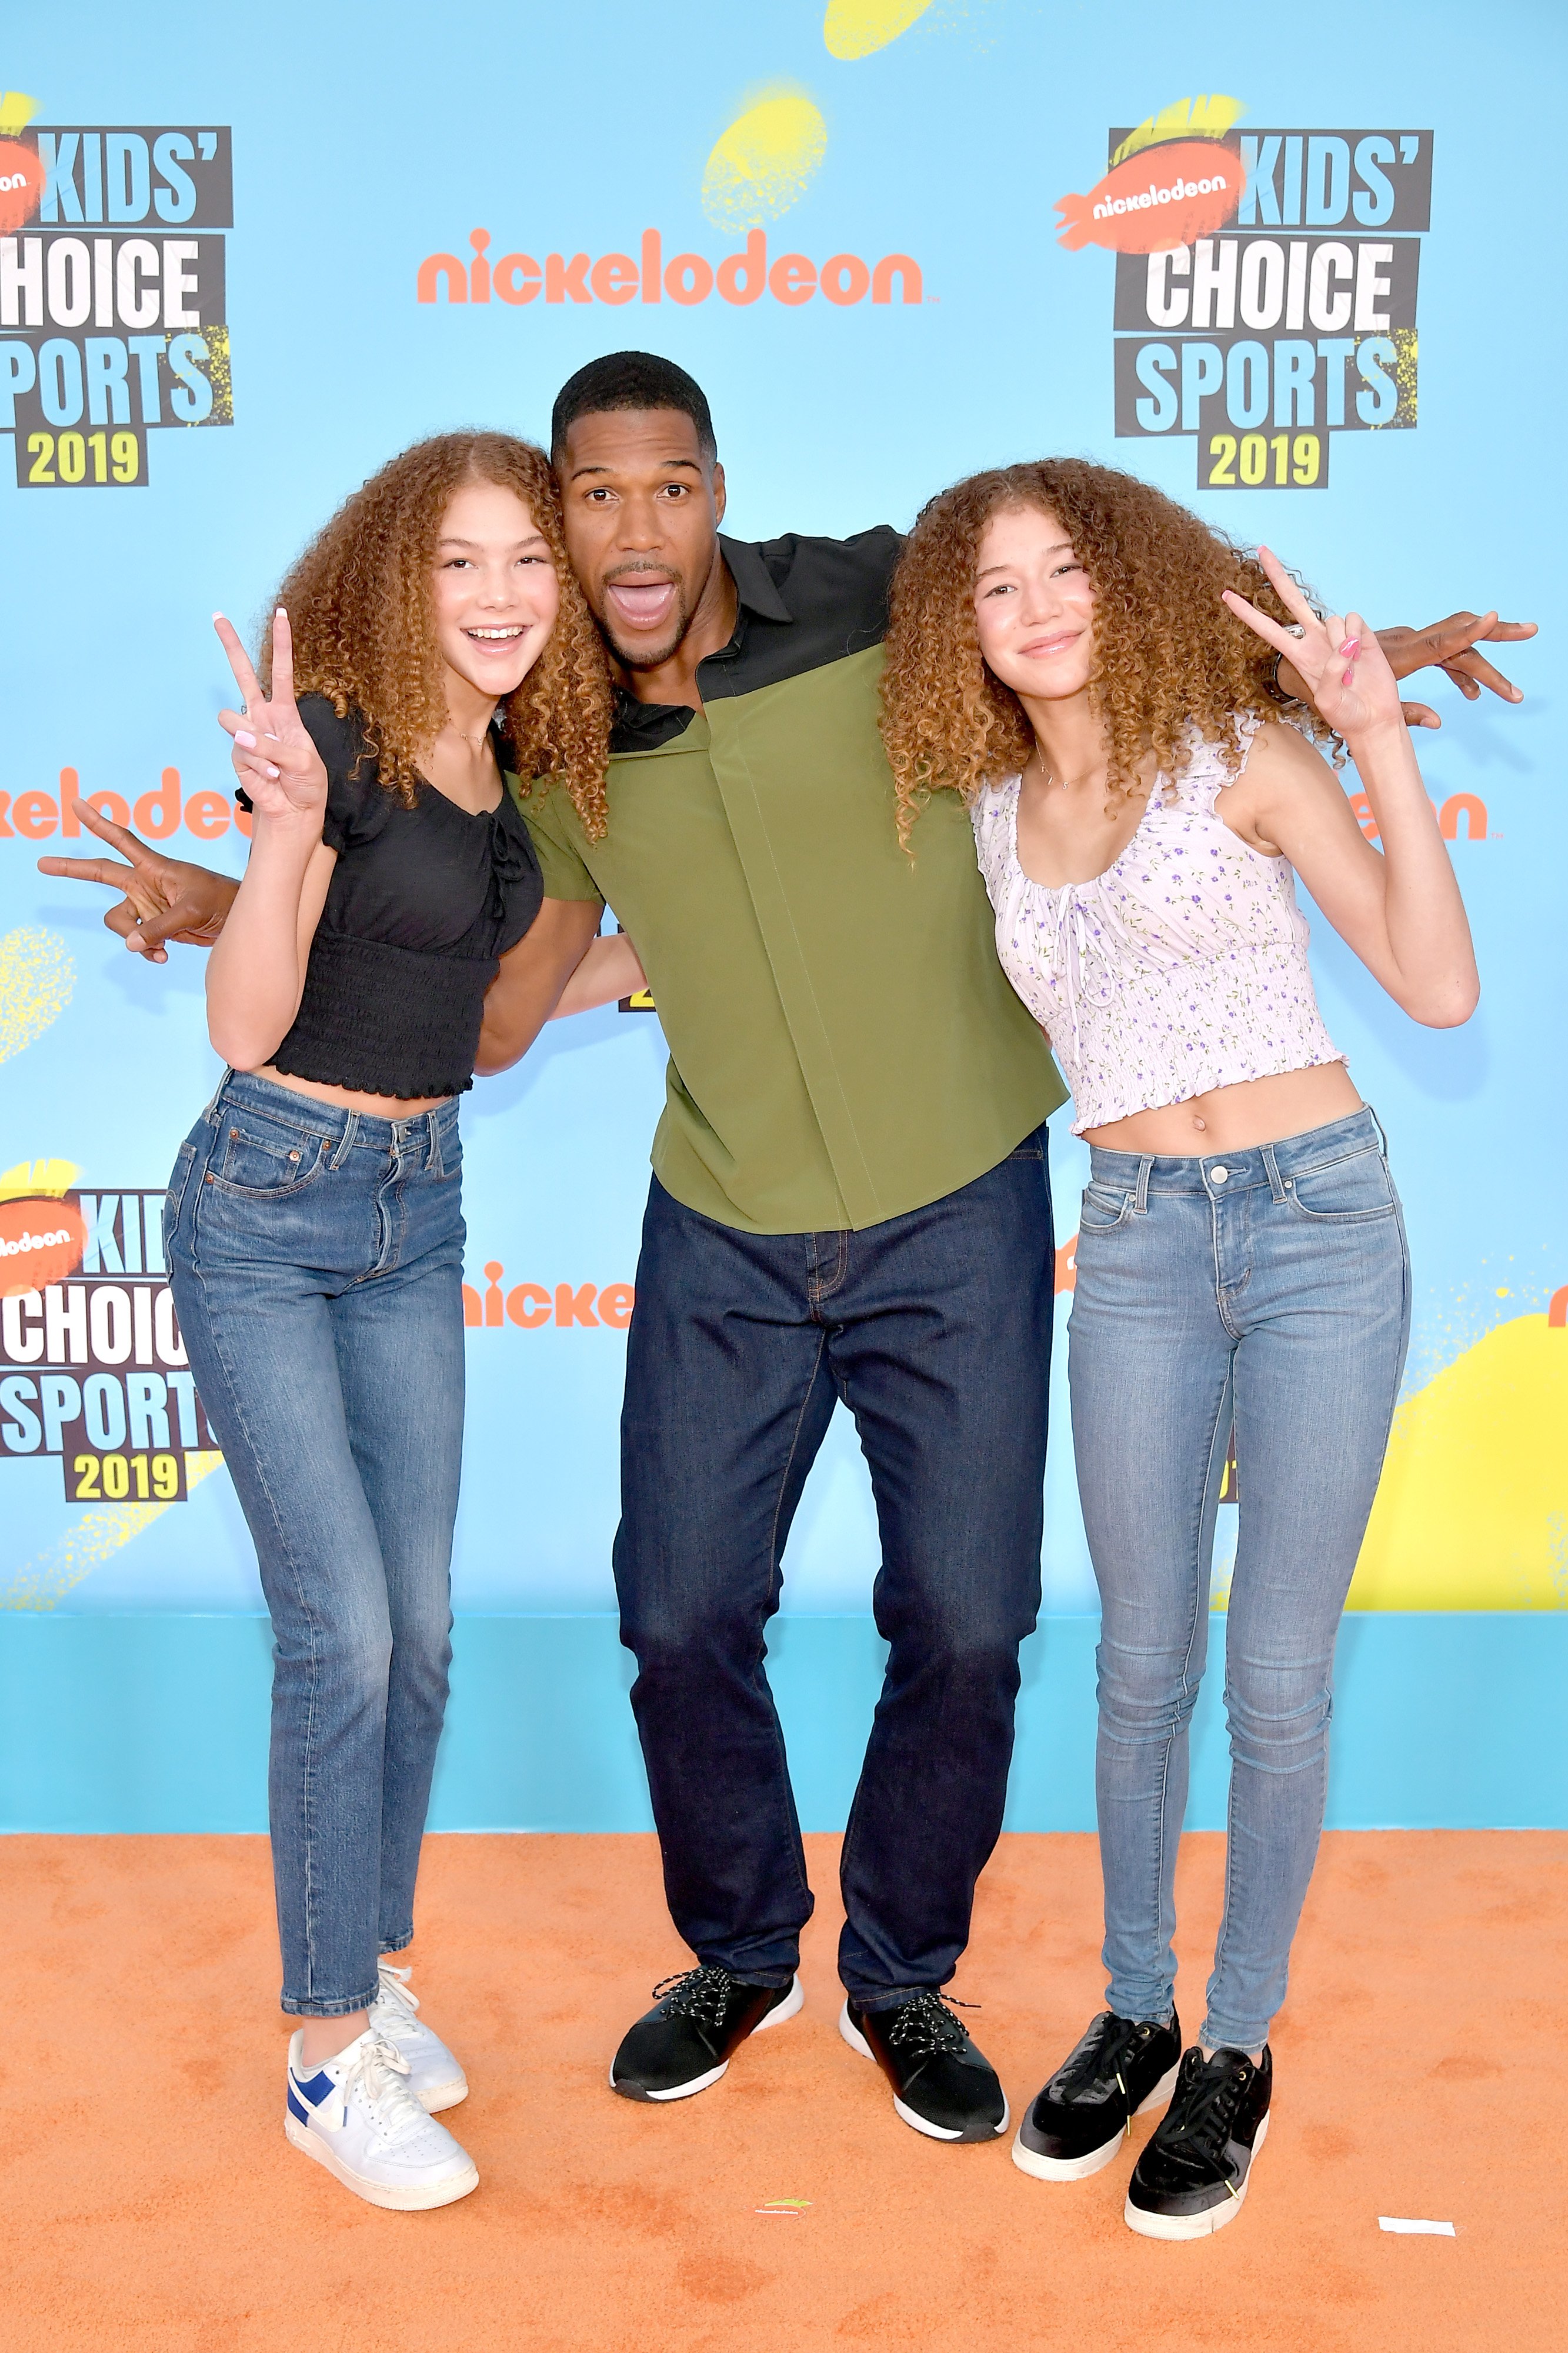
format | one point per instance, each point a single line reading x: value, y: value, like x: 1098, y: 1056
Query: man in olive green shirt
x: 849, y: 1201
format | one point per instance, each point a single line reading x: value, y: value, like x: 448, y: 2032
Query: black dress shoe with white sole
x: 1193, y: 2175
x: 686, y: 2041
x: 1078, y: 2122
x: 942, y: 2084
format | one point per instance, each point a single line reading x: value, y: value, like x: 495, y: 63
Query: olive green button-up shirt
x: 844, y: 1045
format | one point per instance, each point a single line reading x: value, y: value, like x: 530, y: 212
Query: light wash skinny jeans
x: 1273, y: 1286
x: 315, y: 1257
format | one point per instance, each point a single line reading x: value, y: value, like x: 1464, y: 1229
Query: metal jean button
x: 1221, y: 1175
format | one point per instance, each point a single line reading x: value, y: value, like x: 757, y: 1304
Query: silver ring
x: 1295, y: 628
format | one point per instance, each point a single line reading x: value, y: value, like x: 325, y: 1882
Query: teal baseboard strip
x: 159, y: 1723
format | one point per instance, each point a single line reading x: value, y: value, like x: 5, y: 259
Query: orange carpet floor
x: 152, y: 2205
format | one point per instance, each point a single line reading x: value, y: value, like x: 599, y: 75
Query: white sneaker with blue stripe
x: 357, y: 2116
x: 435, y: 2078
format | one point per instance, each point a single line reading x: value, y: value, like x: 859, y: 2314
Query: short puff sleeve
x: 358, y: 805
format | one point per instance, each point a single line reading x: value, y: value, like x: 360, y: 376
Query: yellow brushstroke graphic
x: 96, y: 1537
x: 17, y: 111
x: 38, y: 1180
x: 1472, y: 1512
x: 1188, y: 118
x: 36, y: 978
x: 856, y: 28
x: 764, y: 161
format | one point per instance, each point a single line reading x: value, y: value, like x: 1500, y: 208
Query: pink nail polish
x: 1351, y: 648
x: 249, y: 742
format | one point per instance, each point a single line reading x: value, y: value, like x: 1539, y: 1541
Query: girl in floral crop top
x: 1097, y: 672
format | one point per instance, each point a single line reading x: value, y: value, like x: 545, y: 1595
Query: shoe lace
x: 1197, y: 2126
x: 702, y: 1994
x: 1103, y: 2057
x: 393, y: 1990
x: 380, y: 2070
x: 926, y: 2026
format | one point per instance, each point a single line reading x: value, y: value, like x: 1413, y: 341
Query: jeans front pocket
x: 1104, y: 1208
x: 1347, y: 1191
x: 264, y: 1160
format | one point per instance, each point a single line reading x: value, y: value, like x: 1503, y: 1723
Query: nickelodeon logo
x: 532, y: 1306
x: 37, y: 817
x: 686, y: 278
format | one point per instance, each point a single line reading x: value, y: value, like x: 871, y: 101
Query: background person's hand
x: 275, y: 757
x: 164, y: 898
x: 1348, y: 677
x: 1448, y: 646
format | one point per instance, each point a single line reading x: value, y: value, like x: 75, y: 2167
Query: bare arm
x: 257, y: 972
x: 532, y: 977
x: 610, y: 970
x: 1400, y: 910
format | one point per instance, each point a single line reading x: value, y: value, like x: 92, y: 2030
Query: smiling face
x: 642, y: 504
x: 1034, y: 605
x: 494, y: 590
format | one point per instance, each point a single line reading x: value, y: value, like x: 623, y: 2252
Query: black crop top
x: 422, y: 903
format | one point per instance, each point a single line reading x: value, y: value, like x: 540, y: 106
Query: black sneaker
x: 942, y: 2084
x: 1119, y: 2070
x: 1190, y: 2179
x: 684, y: 2042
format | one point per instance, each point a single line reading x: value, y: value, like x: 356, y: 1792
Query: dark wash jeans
x: 316, y: 1260
x: 935, y: 1330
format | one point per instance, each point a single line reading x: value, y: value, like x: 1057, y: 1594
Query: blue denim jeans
x: 315, y: 1257
x: 935, y: 1329
x: 1271, y: 1286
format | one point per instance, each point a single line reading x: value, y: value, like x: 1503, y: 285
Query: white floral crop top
x: 1182, y: 968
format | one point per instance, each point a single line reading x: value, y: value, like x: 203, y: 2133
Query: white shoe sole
x: 792, y: 2005
x: 1079, y: 2168
x: 857, y: 2042
x: 416, y: 2200
x: 1195, y: 2226
x: 443, y: 2096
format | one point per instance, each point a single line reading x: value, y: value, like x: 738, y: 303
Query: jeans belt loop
x: 433, y: 1163
x: 1276, y: 1186
x: 1378, y: 1125
x: 346, y: 1144
x: 1141, y: 1198
x: 210, y: 1114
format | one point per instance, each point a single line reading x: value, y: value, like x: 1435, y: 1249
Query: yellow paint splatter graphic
x: 17, y: 111
x: 96, y: 1537
x: 764, y: 161
x: 38, y: 1180
x: 220, y: 375
x: 1469, y: 1515
x: 856, y: 28
x: 36, y: 975
x: 1188, y: 118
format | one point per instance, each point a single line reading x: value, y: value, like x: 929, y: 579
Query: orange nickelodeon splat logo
x: 1170, y: 181
x: 741, y: 277
x: 531, y: 1305
x: 40, y: 1241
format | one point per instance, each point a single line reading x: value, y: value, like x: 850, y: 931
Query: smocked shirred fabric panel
x: 1182, y: 968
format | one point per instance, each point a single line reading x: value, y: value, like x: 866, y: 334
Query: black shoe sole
x: 1195, y: 2226
x: 1094, y: 2161
x: 857, y: 2042
x: 791, y: 2007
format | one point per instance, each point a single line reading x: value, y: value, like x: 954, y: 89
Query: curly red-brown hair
x: 1167, y: 651
x: 359, y: 600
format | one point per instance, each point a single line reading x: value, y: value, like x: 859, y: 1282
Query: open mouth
x: 641, y: 604
x: 497, y: 637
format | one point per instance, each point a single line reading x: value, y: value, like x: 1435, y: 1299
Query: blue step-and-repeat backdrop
x: 239, y: 267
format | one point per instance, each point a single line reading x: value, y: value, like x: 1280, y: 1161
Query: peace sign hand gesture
x: 274, y: 756
x: 1339, y: 661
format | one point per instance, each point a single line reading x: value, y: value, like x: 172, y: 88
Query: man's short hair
x: 630, y: 380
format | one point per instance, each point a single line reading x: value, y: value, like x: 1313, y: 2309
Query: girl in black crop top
x: 314, y: 1222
